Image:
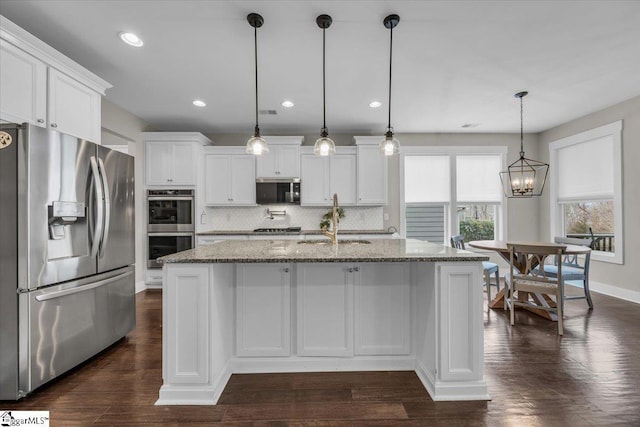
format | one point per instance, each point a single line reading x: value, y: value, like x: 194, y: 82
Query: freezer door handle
x: 99, y: 223
x: 107, y: 206
x: 66, y: 292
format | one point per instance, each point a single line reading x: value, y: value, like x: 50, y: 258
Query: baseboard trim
x: 140, y: 286
x: 176, y: 395
x: 458, y: 391
x: 240, y: 365
x: 615, y: 291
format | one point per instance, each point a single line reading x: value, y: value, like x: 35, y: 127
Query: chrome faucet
x: 333, y: 234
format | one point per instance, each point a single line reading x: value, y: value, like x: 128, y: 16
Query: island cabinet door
x: 263, y: 310
x: 383, y: 309
x: 325, y: 309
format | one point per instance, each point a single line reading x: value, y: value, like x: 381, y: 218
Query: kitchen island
x: 308, y: 306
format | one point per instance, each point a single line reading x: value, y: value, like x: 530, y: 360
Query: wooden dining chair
x: 575, y: 269
x: 534, y: 280
x: 489, y: 268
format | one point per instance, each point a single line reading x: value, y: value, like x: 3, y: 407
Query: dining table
x: 543, y: 300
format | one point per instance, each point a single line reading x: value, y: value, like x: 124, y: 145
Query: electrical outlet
x: 386, y: 216
x: 203, y: 217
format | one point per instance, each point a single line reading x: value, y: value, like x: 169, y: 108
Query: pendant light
x: 256, y: 144
x: 390, y: 145
x: 524, y: 177
x: 324, y: 145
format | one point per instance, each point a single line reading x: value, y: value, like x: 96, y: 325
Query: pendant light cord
x: 521, y: 129
x: 390, y: 58
x: 324, y: 96
x: 255, y: 44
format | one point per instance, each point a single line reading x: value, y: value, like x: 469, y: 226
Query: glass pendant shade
x: 324, y: 146
x: 390, y: 145
x: 257, y: 145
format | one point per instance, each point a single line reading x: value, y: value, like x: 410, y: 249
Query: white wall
x: 120, y: 127
x: 618, y: 280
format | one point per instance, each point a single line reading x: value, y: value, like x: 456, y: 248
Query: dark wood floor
x: 591, y: 376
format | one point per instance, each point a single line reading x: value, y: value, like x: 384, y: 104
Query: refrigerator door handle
x: 65, y: 292
x: 107, y: 206
x: 99, y: 223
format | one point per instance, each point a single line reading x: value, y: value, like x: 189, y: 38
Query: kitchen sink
x: 340, y: 242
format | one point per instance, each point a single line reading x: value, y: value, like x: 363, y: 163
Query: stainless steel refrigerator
x: 67, y: 282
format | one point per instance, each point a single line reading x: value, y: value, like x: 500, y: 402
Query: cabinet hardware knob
x: 356, y: 268
x: 53, y: 125
x: 286, y: 270
x: 40, y: 120
x: 350, y: 270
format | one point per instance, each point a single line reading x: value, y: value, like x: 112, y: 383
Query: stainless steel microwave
x: 276, y: 192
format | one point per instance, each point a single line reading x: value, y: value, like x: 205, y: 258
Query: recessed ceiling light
x: 470, y: 125
x: 287, y: 104
x: 199, y: 103
x: 375, y: 104
x: 131, y: 39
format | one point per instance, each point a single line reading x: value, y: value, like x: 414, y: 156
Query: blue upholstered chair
x: 489, y: 267
x: 575, y: 271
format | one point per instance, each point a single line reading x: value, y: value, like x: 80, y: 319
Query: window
x: 452, y: 190
x: 586, y: 189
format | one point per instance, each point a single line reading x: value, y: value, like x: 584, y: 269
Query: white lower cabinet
x: 325, y: 309
x: 263, y: 310
x: 383, y: 309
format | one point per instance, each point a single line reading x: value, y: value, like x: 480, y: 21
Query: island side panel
x: 455, y: 370
x: 197, y: 332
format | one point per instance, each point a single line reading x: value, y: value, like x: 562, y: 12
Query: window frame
x: 451, y: 220
x: 613, y: 130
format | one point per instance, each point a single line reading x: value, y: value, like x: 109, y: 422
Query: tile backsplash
x: 248, y: 218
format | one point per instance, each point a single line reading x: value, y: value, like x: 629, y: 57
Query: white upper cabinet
x: 229, y: 178
x: 73, y: 107
x: 321, y: 177
x: 39, y: 85
x: 171, y: 158
x: 342, y: 178
x: 282, y: 160
x: 23, y: 85
x: 372, y: 172
x: 313, y: 185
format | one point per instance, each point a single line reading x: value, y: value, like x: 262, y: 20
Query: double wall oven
x: 170, y: 225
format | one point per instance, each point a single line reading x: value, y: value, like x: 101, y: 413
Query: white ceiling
x: 455, y: 62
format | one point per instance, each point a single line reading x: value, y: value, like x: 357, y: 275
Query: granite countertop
x: 285, y: 233
x: 378, y: 250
